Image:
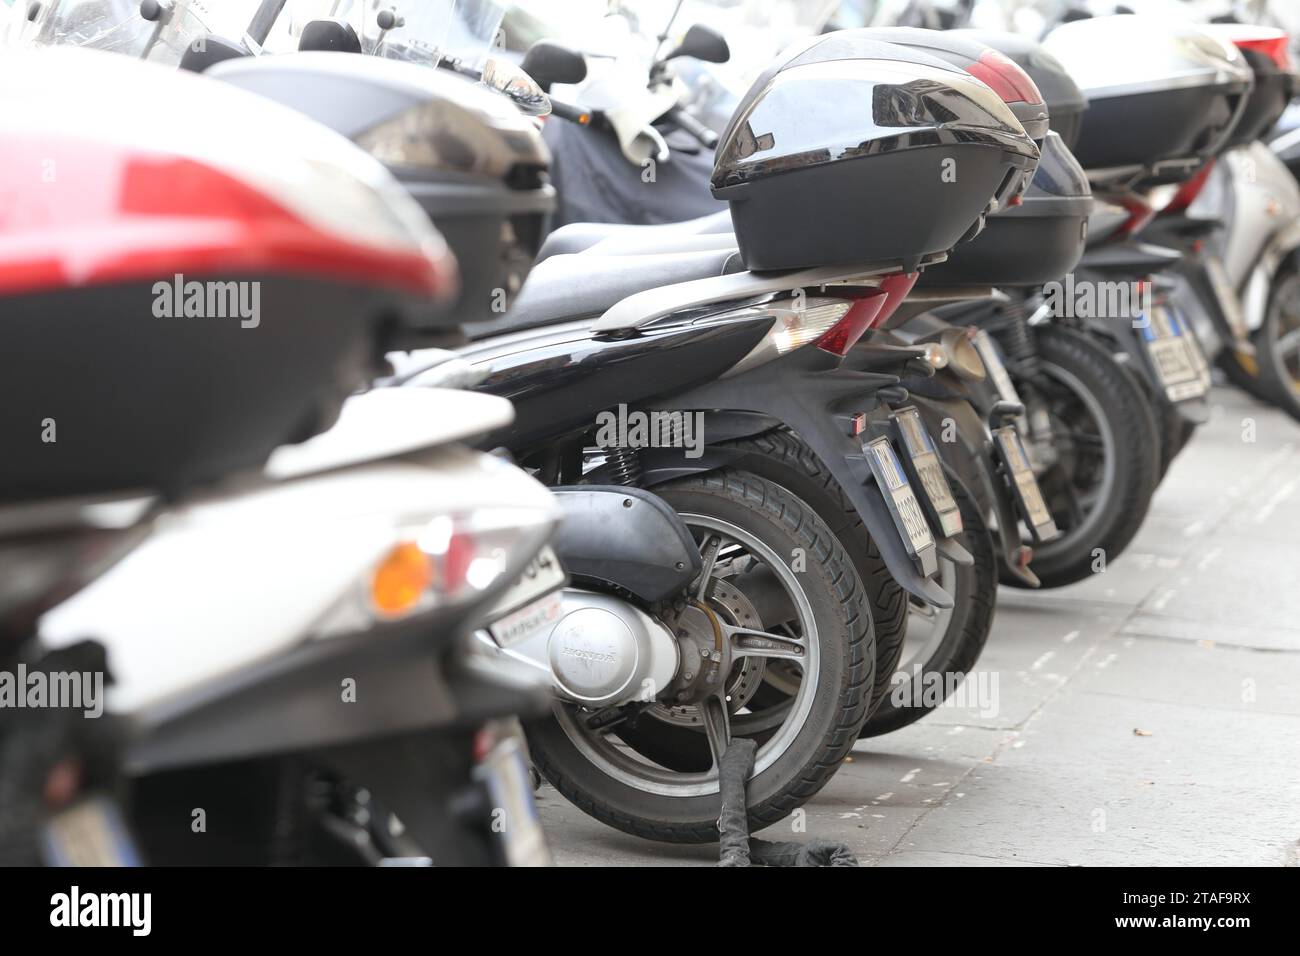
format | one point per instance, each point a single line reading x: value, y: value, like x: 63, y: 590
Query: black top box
x: 1162, y: 96
x: 851, y: 151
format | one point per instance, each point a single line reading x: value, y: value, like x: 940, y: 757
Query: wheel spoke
x: 1288, y: 344
x: 748, y: 642
x: 717, y: 725
x: 709, y: 549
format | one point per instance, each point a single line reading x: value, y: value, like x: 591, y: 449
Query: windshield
x: 117, y: 26
x: 103, y: 24
x: 421, y: 31
x: 193, y: 20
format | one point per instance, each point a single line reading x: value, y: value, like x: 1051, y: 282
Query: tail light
x: 1140, y: 213
x: 1005, y: 77
x: 868, y: 312
x: 861, y: 315
x: 1275, y: 45
x: 1189, y: 190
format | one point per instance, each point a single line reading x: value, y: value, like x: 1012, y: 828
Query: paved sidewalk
x: 1150, y: 715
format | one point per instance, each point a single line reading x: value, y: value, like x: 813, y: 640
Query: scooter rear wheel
x: 782, y: 457
x: 613, y: 782
x: 1277, y: 343
x: 1100, y: 491
x: 942, y: 645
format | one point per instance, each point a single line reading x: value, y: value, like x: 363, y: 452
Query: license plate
x: 518, y: 625
x: 544, y: 573
x: 988, y: 352
x: 1171, y: 349
x: 1194, y: 351
x: 1028, y: 493
x: 927, y: 469
x: 902, y: 503
x: 504, y: 772
x: 92, y: 832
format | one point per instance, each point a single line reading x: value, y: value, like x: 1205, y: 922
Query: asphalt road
x: 1150, y: 715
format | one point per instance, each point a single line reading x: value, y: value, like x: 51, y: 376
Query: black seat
x: 570, y: 287
x: 581, y: 236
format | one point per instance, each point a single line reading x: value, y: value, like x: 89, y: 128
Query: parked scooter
x: 1234, y: 225
x: 286, y: 647
x: 736, y: 565
x: 947, y: 643
x: 837, y: 414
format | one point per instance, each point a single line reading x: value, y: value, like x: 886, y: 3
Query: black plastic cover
x: 145, y: 403
x: 472, y: 161
x: 815, y: 181
x: 1274, y: 89
x: 1036, y: 241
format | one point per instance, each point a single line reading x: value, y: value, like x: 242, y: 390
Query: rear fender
x: 624, y: 538
x: 1283, y: 251
x: 810, y: 394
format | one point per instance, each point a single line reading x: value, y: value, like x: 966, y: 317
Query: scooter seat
x: 571, y: 287
x: 581, y: 236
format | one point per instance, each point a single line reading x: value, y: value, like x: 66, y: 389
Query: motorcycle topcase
x: 468, y: 156
x: 850, y: 151
x: 1276, y: 81
x: 1162, y: 95
x: 177, y: 303
x: 1037, y: 240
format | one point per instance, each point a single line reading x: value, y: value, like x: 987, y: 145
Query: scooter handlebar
x: 692, y: 127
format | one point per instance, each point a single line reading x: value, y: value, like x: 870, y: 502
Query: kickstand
x: 735, y: 846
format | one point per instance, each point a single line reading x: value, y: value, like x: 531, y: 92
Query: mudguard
x: 624, y: 538
x: 1254, y: 293
x: 973, y: 463
x: 810, y: 393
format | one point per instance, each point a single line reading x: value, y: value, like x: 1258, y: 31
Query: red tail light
x: 897, y: 286
x: 844, y: 334
x: 1140, y: 212
x: 1189, y: 190
x: 868, y: 312
x: 118, y: 214
x: 1005, y: 78
x: 1276, y: 47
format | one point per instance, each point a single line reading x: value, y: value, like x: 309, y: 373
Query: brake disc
x: 746, y: 673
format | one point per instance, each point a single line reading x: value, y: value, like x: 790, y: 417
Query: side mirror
x: 504, y: 77
x: 702, y: 43
x: 548, y: 62
x: 336, y: 35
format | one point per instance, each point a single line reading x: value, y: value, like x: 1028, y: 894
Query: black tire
x: 1281, y: 383
x: 1172, y: 427
x: 782, y: 457
x: 974, y: 592
x: 1166, y: 421
x: 846, y: 671
x: 1243, y: 371
x: 1067, y: 356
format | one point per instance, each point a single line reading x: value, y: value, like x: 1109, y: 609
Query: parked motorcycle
x: 1231, y: 224
x: 285, y: 631
x: 675, y: 645
x: 682, y: 347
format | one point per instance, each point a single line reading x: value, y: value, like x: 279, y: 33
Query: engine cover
x: 602, y: 651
